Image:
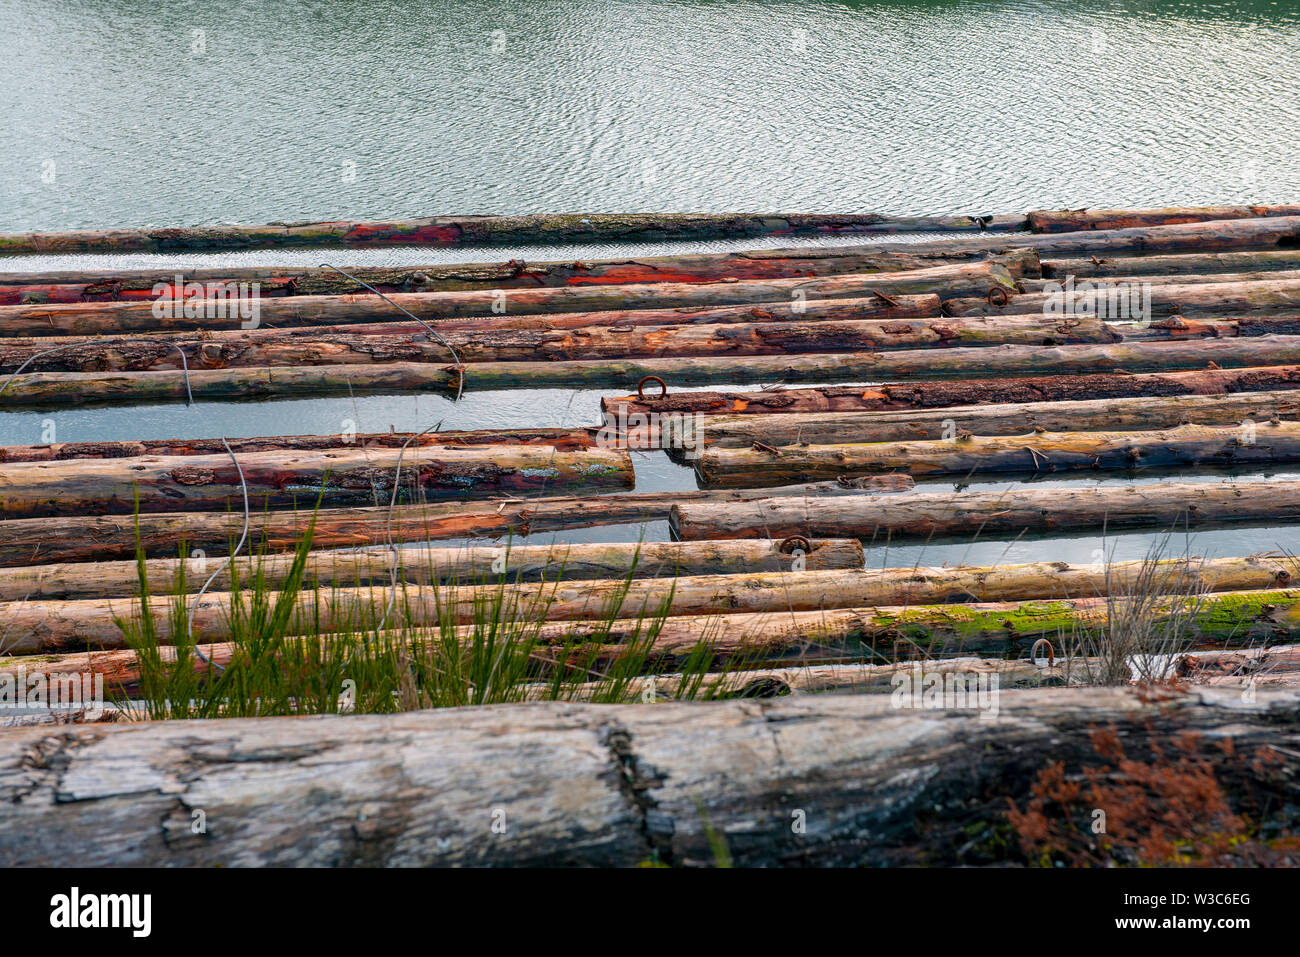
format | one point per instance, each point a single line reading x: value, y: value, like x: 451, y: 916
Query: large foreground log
x: 597, y: 785
x: 901, y: 396
x: 513, y: 345
x: 111, y: 318
x: 1219, y: 446
x: 164, y: 483
x: 86, y: 538
x: 1071, y: 220
x: 429, y: 566
x: 993, y: 514
x: 1089, y: 415
x: 41, y: 389
x: 536, y: 228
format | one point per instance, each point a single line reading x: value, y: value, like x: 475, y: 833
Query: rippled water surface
x: 182, y: 112
x: 335, y: 109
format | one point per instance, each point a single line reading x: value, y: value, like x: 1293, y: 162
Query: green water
x: 120, y: 113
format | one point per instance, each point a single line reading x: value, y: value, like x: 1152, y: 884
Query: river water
x: 182, y: 112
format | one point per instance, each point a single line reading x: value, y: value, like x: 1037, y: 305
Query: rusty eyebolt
x: 1051, y: 652
x: 998, y: 296
x: 640, y: 386
x: 787, y: 545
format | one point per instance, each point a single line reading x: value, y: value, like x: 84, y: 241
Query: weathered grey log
x: 166, y: 483
x: 991, y: 514
x: 113, y: 318
x: 428, y: 566
x: 1071, y: 220
x: 1186, y: 264
x: 1089, y: 415
x: 1260, y: 297
x: 763, y: 337
x: 538, y: 228
x: 42, y: 389
x: 1222, y: 446
x: 590, y: 784
x: 87, y: 538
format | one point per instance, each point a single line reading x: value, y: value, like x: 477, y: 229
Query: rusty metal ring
x: 997, y: 296
x: 1051, y: 653
x: 640, y: 386
x: 794, y: 540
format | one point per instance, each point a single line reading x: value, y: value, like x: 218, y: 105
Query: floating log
x: 121, y: 672
x: 1188, y: 279
x: 38, y: 626
x: 1071, y: 220
x: 597, y: 342
x: 112, y: 318
x: 809, y: 261
x: 1247, y: 445
x: 655, y: 782
x: 539, y: 228
x: 563, y: 439
x: 43, y: 389
x: 429, y: 566
x: 901, y: 396
x: 82, y: 538
x: 1177, y: 327
x: 1088, y: 415
x: 224, y: 341
x: 1262, y: 297
x: 164, y: 483
x: 992, y: 514
x: 1182, y: 264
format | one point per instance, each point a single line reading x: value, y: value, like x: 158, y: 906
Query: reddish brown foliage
x: 1169, y: 811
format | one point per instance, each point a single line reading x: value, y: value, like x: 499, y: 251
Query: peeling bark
x: 587, y: 784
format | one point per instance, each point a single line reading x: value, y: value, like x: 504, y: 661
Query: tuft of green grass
x: 293, y: 651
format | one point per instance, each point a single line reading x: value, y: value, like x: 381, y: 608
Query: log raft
x: 589, y: 785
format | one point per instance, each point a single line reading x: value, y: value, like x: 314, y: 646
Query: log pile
x: 958, y: 358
